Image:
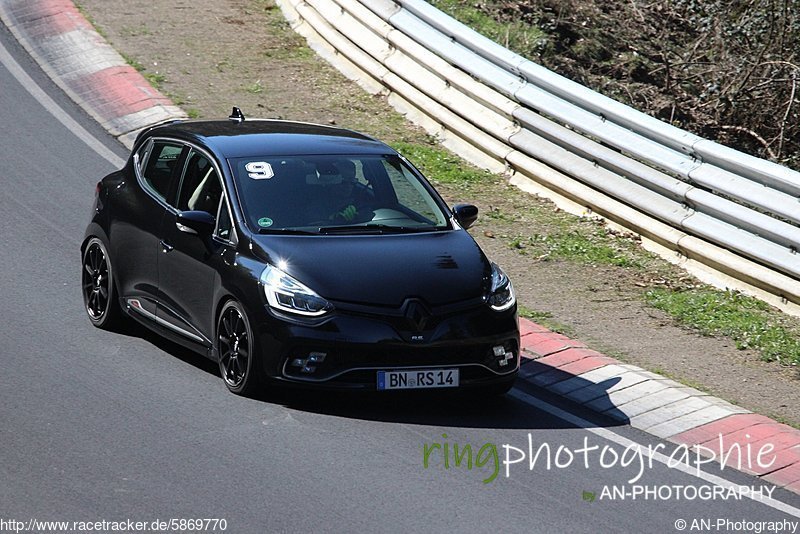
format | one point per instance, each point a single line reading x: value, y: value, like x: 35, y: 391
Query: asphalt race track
x: 114, y: 426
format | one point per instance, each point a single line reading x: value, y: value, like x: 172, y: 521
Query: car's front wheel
x: 97, y: 281
x: 238, y: 361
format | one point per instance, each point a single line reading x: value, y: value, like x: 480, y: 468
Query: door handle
x: 165, y: 247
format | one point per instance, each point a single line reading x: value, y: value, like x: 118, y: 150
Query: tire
x: 239, y: 364
x: 97, y: 286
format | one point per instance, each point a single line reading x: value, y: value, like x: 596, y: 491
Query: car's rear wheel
x: 238, y: 361
x: 97, y: 282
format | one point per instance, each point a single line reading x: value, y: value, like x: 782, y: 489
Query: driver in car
x: 350, y: 200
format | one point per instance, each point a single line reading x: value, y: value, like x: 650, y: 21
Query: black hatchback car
x: 299, y: 254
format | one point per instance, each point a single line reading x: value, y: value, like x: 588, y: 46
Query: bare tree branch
x: 788, y: 109
x: 752, y: 134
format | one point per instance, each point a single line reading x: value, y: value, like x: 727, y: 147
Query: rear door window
x: 161, y: 160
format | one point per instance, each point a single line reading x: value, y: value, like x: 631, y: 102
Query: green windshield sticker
x: 265, y: 222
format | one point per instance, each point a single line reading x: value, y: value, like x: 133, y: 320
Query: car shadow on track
x: 132, y: 328
x: 445, y: 408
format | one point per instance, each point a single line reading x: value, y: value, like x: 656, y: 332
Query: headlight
x: 286, y: 294
x: 501, y: 295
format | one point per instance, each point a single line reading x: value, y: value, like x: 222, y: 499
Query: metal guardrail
x: 735, y: 213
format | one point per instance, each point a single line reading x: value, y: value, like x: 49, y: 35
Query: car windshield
x: 335, y: 194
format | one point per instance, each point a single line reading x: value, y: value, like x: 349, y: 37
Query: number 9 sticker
x: 259, y: 170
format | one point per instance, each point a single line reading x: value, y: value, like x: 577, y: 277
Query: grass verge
x: 545, y: 319
x: 748, y: 321
x: 517, y: 35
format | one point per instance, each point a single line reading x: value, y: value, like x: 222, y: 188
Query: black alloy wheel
x: 238, y: 363
x: 99, y: 295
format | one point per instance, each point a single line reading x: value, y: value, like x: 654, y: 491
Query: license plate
x: 418, y: 379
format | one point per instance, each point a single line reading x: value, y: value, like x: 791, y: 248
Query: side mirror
x: 196, y: 222
x: 465, y: 214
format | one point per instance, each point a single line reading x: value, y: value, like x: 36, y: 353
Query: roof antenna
x: 236, y: 115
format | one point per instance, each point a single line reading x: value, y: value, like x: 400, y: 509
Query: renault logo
x: 416, y: 315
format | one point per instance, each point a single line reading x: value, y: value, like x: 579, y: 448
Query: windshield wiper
x: 377, y: 229
x: 286, y: 231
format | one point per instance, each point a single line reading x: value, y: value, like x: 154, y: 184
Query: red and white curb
x: 660, y: 406
x: 86, y: 67
x: 93, y: 74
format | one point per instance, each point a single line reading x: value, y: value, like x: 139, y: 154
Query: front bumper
x: 347, y: 350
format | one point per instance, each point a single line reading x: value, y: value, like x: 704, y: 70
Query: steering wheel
x: 349, y: 213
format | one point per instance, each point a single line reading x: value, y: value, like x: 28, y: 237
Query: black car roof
x: 266, y: 137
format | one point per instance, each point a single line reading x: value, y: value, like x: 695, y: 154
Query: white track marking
x: 51, y: 106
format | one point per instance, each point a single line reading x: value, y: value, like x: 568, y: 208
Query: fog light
x: 316, y: 357
x: 309, y: 364
x: 503, y: 357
